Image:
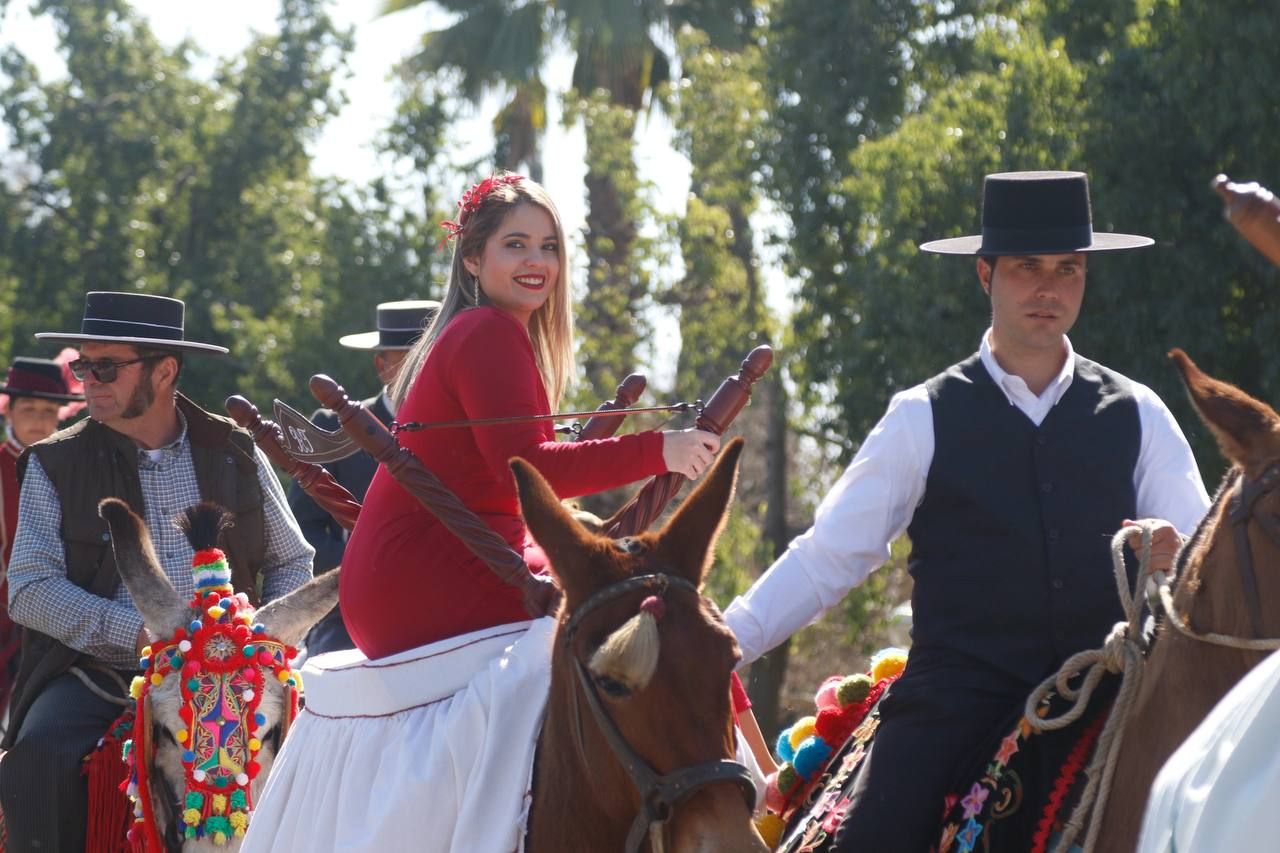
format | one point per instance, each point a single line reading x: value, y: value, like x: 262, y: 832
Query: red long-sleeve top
x: 406, y: 580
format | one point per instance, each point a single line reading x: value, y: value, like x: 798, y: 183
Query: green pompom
x: 217, y: 823
x: 238, y: 800
x: 788, y: 778
x: 194, y: 800
x: 853, y: 690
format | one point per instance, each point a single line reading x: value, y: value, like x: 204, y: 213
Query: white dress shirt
x: 877, y: 495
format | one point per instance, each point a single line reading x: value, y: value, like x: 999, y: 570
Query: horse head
x: 218, y: 692
x: 1232, y: 567
x: 639, y: 736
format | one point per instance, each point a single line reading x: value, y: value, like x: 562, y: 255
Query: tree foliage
x: 132, y: 173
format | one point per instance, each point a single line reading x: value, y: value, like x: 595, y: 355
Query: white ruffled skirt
x: 428, y: 750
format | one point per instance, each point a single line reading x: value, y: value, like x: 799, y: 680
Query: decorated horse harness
x: 222, y: 660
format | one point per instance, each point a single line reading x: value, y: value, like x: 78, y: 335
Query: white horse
x: 219, y: 691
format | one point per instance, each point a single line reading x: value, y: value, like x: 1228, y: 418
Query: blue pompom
x: 811, y: 755
x: 226, y: 602
x: 188, y: 756
x: 783, y: 748
x: 194, y: 626
x: 260, y: 719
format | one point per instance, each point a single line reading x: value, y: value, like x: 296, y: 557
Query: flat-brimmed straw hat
x: 400, y: 324
x: 1036, y: 213
x: 141, y: 319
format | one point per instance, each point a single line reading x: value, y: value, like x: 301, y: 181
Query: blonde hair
x: 550, y: 327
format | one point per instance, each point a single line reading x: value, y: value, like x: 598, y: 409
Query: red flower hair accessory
x: 473, y: 198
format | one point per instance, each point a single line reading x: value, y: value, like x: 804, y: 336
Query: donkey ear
x: 688, y: 540
x: 291, y: 616
x: 1248, y: 431
x: 163, y: 610
x: 566, y: 542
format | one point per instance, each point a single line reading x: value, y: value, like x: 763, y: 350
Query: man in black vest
x: 399, y: 325
x: 1010, y: 472
x: 148, y: 444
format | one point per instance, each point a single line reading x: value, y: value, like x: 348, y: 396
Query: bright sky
x: 345, y: 147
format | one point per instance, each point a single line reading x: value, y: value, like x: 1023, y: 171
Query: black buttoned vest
x: 1011, y: 544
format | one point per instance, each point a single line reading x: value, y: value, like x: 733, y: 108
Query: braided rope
x: 1122, y: 652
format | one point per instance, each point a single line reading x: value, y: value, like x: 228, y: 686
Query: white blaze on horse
x: 218, y: 692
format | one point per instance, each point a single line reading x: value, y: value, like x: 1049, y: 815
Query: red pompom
x: 184, y: 711
x: 190, y: 668
x: 252, y: 768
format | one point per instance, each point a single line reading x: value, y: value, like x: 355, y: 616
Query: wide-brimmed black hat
x: 1036, y: 213
x: 400, y: 324
x: 40, y: 378
x: 132, y: 318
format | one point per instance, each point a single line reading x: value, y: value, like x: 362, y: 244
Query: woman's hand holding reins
x: 689, y: 451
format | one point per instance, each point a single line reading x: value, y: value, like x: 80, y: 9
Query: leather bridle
x: 659, y: 793
x: 1240, y: 511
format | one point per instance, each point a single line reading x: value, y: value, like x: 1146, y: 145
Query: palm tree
x: 619, y: 66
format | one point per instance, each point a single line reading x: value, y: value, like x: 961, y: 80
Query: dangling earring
x: 475, y: 290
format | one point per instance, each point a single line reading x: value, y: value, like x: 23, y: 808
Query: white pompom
x: 242, y: 778
x: 248, y: 695
x: 184, y: 646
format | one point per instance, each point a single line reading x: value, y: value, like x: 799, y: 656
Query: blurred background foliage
x: 825, y: 140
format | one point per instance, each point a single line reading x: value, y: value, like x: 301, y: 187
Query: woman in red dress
x: 501, y: 345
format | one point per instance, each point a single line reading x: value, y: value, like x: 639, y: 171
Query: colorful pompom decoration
x: 803, y: 750
x: 887, y: 663
x: 221, y: 691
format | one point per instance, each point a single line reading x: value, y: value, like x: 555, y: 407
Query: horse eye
x: 612, y: 687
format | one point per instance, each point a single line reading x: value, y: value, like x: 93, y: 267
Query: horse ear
x: 163, y: 610
x: 290, y: 617
x: 566, y: 542
x: 1248, y: 431
x: 688, y: 540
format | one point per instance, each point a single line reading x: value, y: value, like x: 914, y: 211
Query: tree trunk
x: 769, y: 673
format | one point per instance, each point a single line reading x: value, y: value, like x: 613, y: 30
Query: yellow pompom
x: 770, y: 827
x: 135, y: 686
x: 802, y: 729
x: 191, y: 817
x: 215, y: 611
x: 239, y: 822
x: 283, y: 675
x: 146, y: 652
x: 181, y: 737
x: 156, y: 678
x: 219, y: 803
x: 219, y: 838
x: 887, y: 664
x: 254, y: 744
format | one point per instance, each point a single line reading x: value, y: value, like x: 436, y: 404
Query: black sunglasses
x: 104, y: 369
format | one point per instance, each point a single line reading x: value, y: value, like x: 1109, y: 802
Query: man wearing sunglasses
x: 147, y: 443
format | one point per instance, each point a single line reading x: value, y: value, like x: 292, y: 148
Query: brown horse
x: 1223, y: 587
x: 639, y: 687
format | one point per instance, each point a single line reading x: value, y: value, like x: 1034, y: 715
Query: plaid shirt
x: 42, y: 598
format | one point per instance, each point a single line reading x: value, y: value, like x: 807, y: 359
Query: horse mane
x: 1186, y: 569
x: 203, y: 524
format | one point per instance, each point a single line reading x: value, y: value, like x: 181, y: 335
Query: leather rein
x: 659, y: 793
x: 1241, y: 513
